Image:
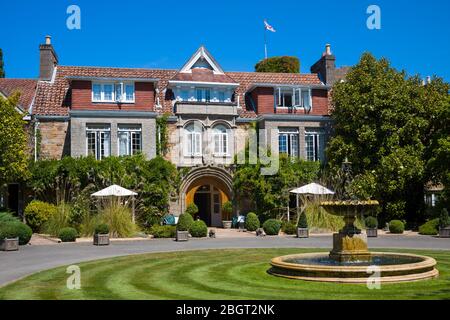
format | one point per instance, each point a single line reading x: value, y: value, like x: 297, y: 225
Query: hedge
x: 37, y: 213
x: 252, y: 222
x: 184, y: 222
x: 160, y: 232
x: 68, y: 235
x: 430, y: 228
x: 16, y: 229
x: 396, y: 226
x: 198, y: 229
x: 272, y: 227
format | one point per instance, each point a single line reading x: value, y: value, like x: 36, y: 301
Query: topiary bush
x: 272, y: 227
x: 198, y: 229
x: 252, y: 222
x: 444, y: 219
x: 371, y: 222
x: 289, y: 228
x: 396, y: 226
x: 430, y: 228
x: 37, y: 213
x: 184, y: 222
x: 68, y: 234
x: 192, y: 209
x: 16, y: 229
x: 227, y: 210
x: 102, y: 229
x: 302, y: 221
x: 158, y: 231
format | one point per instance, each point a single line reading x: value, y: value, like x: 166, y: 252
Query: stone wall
x: 55, y: 139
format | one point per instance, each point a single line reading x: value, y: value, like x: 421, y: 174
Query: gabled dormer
x: 202, y: 60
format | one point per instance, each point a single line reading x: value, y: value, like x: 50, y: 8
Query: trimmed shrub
x: 289, y: 228
x: 444, y: 219
x: 371, y: 222
x: 184, y: 222
x: 272, y: 227
x: 163, y: 231
x: 37, y: 213
x: 16, y: 229
x: 227, y: 210
x: 252, y: 222
x: 102, y: 229
x: 285, y: 64
x: 430, y: 228
x: 192, y: 209
x: 198, y: 229
x: 302, y: 221
x: 396, y: 226
x: 68, y: 234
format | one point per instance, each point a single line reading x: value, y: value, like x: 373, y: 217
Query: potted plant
x: 444, y: 224
x: 227, y: 210
x: 101, y: 235
x: 371, y: 227
x: 184, y: 224
x: 9, y: 240
x: 302, y: 226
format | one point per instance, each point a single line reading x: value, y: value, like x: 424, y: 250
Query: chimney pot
x: 48, y: 40
x: 328, y: 49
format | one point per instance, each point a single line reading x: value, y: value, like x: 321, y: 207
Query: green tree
x: 2, y: 71
x: 279, y: 64
x: 13, y: 142
x: 388, y: 138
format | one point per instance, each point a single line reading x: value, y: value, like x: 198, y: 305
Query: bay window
x: 203, y: 95
x: 98, y: 141
x: 315, y: 145
x: 193, y: 138
x: 113, y: 92
x: 288, y: 141
x: 129, y: 139
x: 220, y: 138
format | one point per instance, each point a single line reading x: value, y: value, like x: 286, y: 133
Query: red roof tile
x: 26, y: 87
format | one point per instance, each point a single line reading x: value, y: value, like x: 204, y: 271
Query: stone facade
x: 54, y: 139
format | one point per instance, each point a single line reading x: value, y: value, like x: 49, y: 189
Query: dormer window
x: 118, y: 92
x: 293, y: 97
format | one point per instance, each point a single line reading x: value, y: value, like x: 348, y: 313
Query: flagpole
x: 265, y: 42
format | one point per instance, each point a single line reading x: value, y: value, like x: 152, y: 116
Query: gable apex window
x: 287, y: 97
x: 122, y: 92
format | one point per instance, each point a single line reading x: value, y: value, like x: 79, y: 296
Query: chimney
x: 48, y: 60
x: 326, y: 66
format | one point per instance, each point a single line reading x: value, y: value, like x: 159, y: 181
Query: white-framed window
x: 193, y: 140
x: 220, y: 138
x: 98, y: 141
x: 113, y: 92
x: 288, y: 141
x: 315, y: 145
x: 221, y: 96
x: 203, y: 94
x: 129, y: 139
x: 293, y: 97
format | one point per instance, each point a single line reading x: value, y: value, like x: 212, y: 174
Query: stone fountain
x: 350, y: 261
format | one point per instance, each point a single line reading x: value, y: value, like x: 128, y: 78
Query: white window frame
x: 221, y: 138
x: 114, y: 97
x: 298, y: 100
x: 193, y: 141
x: 98, y: 130
x: 316, y: 134
x: 131, y: 131
x: 292, y: 144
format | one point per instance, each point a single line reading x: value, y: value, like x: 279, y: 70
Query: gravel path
x: 31, y: 259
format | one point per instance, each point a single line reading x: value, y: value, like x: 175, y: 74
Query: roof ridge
x: 120, y: 68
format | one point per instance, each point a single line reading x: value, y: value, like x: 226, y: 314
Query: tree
x: 13, y: 142
x: 279, y: 64
x: 385, y: 123
x: 2, y: 71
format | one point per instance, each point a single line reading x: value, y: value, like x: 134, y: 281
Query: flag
x: 268, y: 26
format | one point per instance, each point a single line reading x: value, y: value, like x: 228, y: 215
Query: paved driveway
x: 31, y: 259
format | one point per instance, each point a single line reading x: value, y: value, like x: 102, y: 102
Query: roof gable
x: 202, y: 59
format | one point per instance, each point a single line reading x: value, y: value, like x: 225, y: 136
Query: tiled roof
x: 199, y: 75
x: 26, y: 87
x: 53, y: 98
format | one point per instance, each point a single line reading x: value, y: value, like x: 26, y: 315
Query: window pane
x: 207, y: 95
x: 225, y: 144
x: 91, y: 151
x: 129, y: 92
x: 222, y: 96
x: 108, y: 92
x: 282, y: 141
x: 136, y: 142
x: 305, y: 98
x: 97, y: 92
x: 118, y: 91
x: 199, y: 95
x: 217, y: 143
x: 288, y: 99
x: 294, y: 145
x: 309, y: 140
x: 123, y: 143
x: 197, y: 143
x: 104, y: 144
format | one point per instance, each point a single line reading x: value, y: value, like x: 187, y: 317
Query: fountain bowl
x: 392, y: 268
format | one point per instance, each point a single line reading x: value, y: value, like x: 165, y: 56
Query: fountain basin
x: 393, y: 268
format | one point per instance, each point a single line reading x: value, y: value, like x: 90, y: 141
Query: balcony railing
x: 217, y: 108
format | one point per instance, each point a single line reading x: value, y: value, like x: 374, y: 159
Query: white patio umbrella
x: 116, y: 191
x: 311, y: 189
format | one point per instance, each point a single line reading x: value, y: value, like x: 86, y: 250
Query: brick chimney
x: 48, y: 60
x: 326, y: 67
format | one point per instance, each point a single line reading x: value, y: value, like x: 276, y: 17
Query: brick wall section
x: 264, y: 100
x: 82, y: 98
x: 55, y: 139
x: 320, y: 102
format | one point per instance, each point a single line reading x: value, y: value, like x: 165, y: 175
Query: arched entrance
x: 209, y: 188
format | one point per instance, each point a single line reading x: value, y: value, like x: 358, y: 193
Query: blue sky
x: 414, y: 35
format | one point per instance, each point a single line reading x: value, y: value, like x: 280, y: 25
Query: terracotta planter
x: 444, y: 232
x: 227, y: 224
x: 101, y: 239
x: 9, y: 244
x: 302, y: 233
x: 182, y: 235
x: 372, y: 232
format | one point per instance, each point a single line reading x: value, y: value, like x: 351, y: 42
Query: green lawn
x: 212, y: 274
